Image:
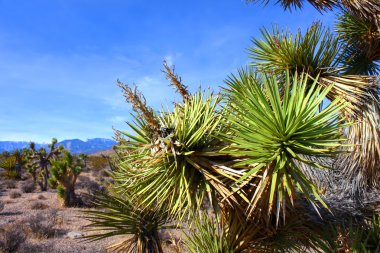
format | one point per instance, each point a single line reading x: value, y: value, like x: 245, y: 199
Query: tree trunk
x: 18, y: 170
x: 34, y: 176
x: 70, y: 198
x: 44, y: 184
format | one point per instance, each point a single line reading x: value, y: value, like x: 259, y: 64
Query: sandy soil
x: 18, y: 211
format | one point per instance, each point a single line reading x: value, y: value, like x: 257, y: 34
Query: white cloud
x: 171, y: 58
x: 116, y: 101
x: 117, y: 119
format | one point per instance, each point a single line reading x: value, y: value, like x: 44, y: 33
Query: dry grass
x: 98, y: 162
x: 41, y: 197
x: 28, y: 186
x: 28, y: 247
x: 15, y: 194
x: 42, y: 225
x: 38, y: 206
x: 11, y: 237
x: 9, y: 184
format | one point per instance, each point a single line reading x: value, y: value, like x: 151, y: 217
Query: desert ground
x: 34, y: 221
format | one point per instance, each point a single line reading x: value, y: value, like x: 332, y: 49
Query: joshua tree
x: 247, y: 163
x: 20, y: 161
x: 41, y: 160
x: 84, y: 157
x: 257, y: 151
x: 350, y: 60
x: 64, y: 174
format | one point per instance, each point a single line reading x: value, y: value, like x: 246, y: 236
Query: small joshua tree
x: 9, y: 164
x: 20, y: 156
x: 13, y: 163
x: 41, y: 160
x: 64, y: 174
x: 84, y: 157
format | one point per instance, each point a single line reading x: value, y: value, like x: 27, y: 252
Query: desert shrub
x: 38, y: 206
x: 28, y: 247
x: 82, y: 182
x: 101, y: 174
x: 11, y: 237
x: 98, y: 162
x: 15, y: 194
x: 9, y: 184
x: 41, y: 197
x: 92, y: 189
x: 42, y: 225
x: 12, y: 170
x: 12, y: 174
x: 352, y: 237
x: 28, y: 186
x: 54, y: 217
x: 83, y: 179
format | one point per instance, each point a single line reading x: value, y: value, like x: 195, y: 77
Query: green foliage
x: 64, y: 173
x: 315, y: 52
x: 53, y: 183
x: 207, y: 235
x: 98, y: 162
x: 121, y: 216
x: 12, y: 163
x: 9, y: 164
x: 60, y: 191
x: 177, y: 164
x: 249, y: 155
x: 234, y: 233
x: 270, y: 131
x: 39, y: 162
x: 362, y: 40
x: 352, y: 237
x: 321, y: 5
x: 320, y: 54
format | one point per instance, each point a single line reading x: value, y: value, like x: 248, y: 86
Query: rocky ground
x: 34, y: 221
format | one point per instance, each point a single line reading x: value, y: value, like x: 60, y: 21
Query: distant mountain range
x: 76, y: 146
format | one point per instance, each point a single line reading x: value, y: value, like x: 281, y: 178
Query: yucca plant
x: 173, y: 157
x: 213, y: 234
x: 318, y: 53
x: 365, y: 9
x: 208, y: 235
x: 368, y: 9
x: 272, y: 130
x: 321, y: 5
x: 230, y: 232
x: 362, y: 39
x: 119, y: 216
x: 351, y: 236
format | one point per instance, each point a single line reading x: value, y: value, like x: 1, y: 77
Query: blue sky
x: 60, y: 59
